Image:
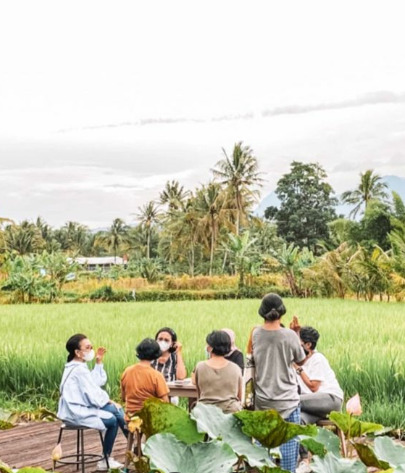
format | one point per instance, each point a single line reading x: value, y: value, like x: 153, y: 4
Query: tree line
x: 213, y: 230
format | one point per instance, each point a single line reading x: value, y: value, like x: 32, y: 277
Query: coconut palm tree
x: 370, y: 188
x: 210, y: 206
x: 115, y: 236
x: 239, y: 173
x: 173, y: 195
x: 148, y: 215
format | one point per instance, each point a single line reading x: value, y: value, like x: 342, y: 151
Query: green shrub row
x: 108, y: 294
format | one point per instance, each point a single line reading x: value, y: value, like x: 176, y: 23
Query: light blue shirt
x: 81, y: 396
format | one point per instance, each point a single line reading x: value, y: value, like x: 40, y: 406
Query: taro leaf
x: 346, y: 422
x: 211, y: 420
x: 387, y: 450
x: 31, y: 469
x: 275, y: 469
x: 270, y: 429
x: 332, y: 464
x: 168, y: 454
x: 4, y: 415
x: 4, y: 468
x: 369, y: 458
x: 324, y: 442
x: 4, y: 425
x: 162, y: 417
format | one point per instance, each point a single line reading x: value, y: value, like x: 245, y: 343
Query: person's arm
x: 312, y: 384
x: 181, y: 372
x: 162, y: 390
x: 122, y: 384
x: 240, y: 389
x: 98, y: 373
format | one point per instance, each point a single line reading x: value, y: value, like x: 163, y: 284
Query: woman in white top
x: 82, y: 401
x: 320, y: 390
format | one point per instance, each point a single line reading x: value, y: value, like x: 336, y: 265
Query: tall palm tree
x: 371, y: 187
x: 115, y: 236
x: 174, y: 195
x: 148, y: 215
x: 239, y: 173
x: 210, y: 206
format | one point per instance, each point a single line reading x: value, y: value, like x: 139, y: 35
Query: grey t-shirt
x: 274, y: 351
x: 219, y: 386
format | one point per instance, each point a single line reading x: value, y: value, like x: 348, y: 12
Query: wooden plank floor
x: 31, y: 444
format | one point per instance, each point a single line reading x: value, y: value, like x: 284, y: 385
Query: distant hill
x: 394, y: 183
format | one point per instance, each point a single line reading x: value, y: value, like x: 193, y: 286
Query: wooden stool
x: 82, y: 459
x: 326, y: 423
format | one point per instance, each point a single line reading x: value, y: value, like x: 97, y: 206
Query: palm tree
x: 23, y: 239
x: 174, y: 195
x: 370, y: 188
x: 115, y: 236
x: 210, y: 206
x: 238, y: 174
x: 244, y: 254
x: 148, y: 215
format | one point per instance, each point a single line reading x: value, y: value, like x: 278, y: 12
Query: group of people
x: 290, y: 376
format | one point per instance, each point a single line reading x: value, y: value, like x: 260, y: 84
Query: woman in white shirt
x: 82, y: 401
x: 320, y: 390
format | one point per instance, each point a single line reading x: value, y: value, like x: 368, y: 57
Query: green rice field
x: 364, y: 343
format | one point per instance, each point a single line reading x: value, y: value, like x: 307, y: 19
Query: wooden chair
x: 81, y: 459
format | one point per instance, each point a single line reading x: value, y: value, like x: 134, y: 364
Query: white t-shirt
x: 317, y: 368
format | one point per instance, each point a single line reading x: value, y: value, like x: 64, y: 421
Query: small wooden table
x: 184, y: 388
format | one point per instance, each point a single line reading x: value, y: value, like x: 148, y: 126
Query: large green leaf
x: 324, y: 442
x: 162, y: 417
x: 387, y: 450
x: 270, y: 429
x: 4, y: 468
x: 369, y: 458
x: 211, y: 420
x: 168, y: 454
x: 357, y: 428
x: 332, y: 464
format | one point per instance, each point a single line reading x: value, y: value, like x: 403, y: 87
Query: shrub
x: 107, y: 294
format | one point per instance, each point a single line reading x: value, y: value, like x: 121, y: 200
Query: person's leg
x: 119, y: 415
x: 289, y: 450
x: 111, y: 425
x: 317, y: 406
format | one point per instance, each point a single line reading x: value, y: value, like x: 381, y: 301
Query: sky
x: 101, y: 103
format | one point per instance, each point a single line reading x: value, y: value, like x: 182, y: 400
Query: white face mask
x: 164, y: 346
x: 89, y: 355
x: 207, y: 353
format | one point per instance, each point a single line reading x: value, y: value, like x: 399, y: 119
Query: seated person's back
x: 140, y: 382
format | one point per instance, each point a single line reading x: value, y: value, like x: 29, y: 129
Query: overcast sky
x: 102, y: 102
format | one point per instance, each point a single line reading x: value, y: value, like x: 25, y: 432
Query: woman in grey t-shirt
x: 274, y: 350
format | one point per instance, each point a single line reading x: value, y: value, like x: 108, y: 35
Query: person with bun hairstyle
x: 274, y: 349
x: 82, y: 401
x: 218, y: 380
x: 140, y: 381
x: 170, y: 363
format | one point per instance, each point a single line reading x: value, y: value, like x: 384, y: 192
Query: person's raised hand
x: 178, y: 347
x: 295, y: 325
x: 100, y: 354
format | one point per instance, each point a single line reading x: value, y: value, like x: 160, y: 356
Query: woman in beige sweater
x: 219, y: 381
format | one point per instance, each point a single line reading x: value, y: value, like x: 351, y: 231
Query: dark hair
x: 148, y: 349
x: 309, y: 334
x: 272, y: 307
x: 172, y: 334
x: 73, y: 344
x: 220, y: 342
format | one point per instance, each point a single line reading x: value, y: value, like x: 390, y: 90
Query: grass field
x: 364, y: 343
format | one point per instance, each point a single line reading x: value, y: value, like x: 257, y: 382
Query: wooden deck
x: 31, y: 444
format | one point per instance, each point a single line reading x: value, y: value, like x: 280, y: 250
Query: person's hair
x: 220, y: 342
x: 272, y: 307
x: 73, y: 344
x: 148, y: 349
x: 309, y: 334
x: 172, y: 334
